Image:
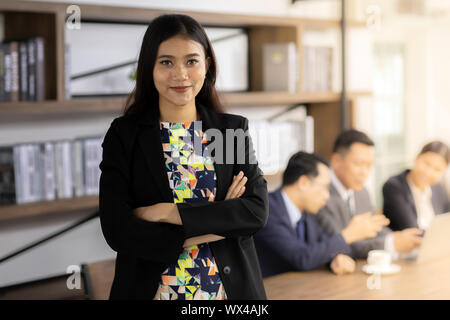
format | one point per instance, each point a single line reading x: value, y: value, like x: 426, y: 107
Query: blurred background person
x: 415, y: 196
x: 351, y: 163
x: 292, y: 239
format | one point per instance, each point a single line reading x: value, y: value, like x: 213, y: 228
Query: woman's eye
x: 192, y: 61
x: 166, y: 62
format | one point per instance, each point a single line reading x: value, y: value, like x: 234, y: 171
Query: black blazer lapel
x: 150, y: 143
x: 407, y: 191
x: 282, y: 211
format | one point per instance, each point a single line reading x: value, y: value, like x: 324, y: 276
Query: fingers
x: 413, y: 231
x: 335, y: 266
x: 414, y: 235
x: 241, y: 192
x: 230, y: 191
x: 381, y: 220
x: 417, y: 242
x: 237, y: 187
x: 349, y: 264
x: 342, y: 264
x: 366, y: 214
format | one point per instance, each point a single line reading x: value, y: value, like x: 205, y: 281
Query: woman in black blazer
x: 156, y: 220
x: 428, y: 170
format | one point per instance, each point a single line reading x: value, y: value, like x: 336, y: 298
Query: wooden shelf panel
x: 136, y: 14
x: 17, y: 211
x: 24, y: 110
x: 277, y: 98
x: 14, y: 211
x: 29, y: 109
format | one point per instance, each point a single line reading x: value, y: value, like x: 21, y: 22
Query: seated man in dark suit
x: 351, y: 162
x: 292, y: 238
x: 414, y: 197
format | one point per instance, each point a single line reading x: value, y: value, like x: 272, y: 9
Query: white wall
x: 317, y: 9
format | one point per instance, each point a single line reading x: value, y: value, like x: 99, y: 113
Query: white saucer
x: 391, y: 269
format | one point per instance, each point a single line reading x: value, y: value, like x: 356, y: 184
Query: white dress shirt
x: 347, y: 194
x: 293, y: 212
x: 424, y: 206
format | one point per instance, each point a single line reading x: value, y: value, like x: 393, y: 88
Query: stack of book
x: 276, y: 142
x: 22, y: 70
x: 50, y: 170
x: 317, y: 69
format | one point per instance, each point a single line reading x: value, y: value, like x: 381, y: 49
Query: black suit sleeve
x: 242, y: 216
x: 285, y: 248
x: 397, y: 208
x: 123, y: 231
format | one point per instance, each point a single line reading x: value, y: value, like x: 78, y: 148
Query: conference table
x: 430, y: 280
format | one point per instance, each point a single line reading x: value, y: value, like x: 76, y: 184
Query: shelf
x: 136, y: 14
x: 24, y: 110
x: 279, y: 98
x: 14, y: 211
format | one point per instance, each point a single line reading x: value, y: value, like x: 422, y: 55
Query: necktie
x: 301, y: 230
x: 349, y: 205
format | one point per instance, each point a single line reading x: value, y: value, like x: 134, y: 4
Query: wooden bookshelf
x: 16, y: 211
x: 30, y: 110
x: 25, y: 19
x: 86, y: 203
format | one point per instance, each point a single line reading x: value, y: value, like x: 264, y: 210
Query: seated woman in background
x: 412, y: 198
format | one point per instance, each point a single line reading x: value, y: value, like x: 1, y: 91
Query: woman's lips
x: 180, y: 89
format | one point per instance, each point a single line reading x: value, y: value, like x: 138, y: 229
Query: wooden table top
x: 429, y: 280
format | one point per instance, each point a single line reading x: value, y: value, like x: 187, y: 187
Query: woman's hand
x: 237, y: 187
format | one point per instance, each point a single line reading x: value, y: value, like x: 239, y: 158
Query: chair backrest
x: 98, y: 278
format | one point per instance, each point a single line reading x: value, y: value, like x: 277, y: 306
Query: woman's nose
x: 180, y: 73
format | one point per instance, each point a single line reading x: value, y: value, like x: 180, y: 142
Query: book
x: 77, y: 168
x: 40, y: 69
x: 280, y: 70
x: 47, y: 163
x: 31, y: 69
x: 8, y: 72
x: 317, y: 69
x: 18, y: 173
x: 92, y: 159
x: 7, y: 175
x: 2, y: 73
x: 63, y: 163
x: 23, y: 71
x: 276, y: 141
x: 28, y: 180
x: 14, y: 51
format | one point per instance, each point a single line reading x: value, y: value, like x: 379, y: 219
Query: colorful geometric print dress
x: 192, y: 178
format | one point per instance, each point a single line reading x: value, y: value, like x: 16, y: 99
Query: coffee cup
x: 379, y: 259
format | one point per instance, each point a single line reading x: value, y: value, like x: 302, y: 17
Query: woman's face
x: 430, y: 167
x: 180, y: 70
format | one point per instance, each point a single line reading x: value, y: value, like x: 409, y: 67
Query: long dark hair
x: 439, y: 148
x: 145, y: 95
